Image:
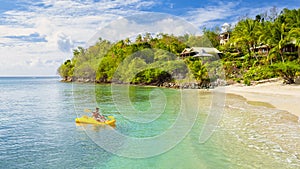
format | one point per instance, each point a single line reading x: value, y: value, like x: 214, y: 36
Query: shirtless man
x: 97, y: 116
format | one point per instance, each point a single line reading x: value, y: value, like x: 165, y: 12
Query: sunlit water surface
x: 37, y: 129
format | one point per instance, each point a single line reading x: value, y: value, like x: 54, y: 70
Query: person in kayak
x: 97, y: 116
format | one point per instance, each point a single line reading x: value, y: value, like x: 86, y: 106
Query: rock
x: 297, y: 80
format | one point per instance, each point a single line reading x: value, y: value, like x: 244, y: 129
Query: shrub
x: 152, y: 76
x: 259, y: 73
x: 287, y: 70
x: 247, y: 82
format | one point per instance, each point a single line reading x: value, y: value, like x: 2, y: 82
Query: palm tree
x: 198, y: 70
x: 275, y: 35
x: 139, y: 38
x: 127, y: 41
x: 245, y: 34
x: 282, y: 31
x: 265, y: 36
x: 294, y: 35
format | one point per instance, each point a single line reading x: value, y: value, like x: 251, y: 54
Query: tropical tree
x: 284, y: 30
x: 293, y: 22
x: 265, y: 37
x: 127, y: 41
x: 287, y: 70
x: 294, y: 36
x: 245, y: 35
x: 212, y: 37
x: 198, y: 69
x: 66, y: 70
x: 139, y: 39
x: 280, y: 37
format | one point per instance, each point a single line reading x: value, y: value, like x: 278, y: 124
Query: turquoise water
x: 37, y: 129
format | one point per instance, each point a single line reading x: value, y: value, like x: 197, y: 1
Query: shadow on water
x: 94, y: 127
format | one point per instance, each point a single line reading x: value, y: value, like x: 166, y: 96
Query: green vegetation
x: 148, y: 60
x: 287, y: 70
x: 264, y: 47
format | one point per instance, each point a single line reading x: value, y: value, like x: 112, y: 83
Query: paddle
x: 87, y: 110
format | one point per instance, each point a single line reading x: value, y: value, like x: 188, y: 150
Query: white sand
x: 283, y: 97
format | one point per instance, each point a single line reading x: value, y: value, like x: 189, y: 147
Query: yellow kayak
x: 90, y: 120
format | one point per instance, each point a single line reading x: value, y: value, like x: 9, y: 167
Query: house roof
x: 200, y: 51
x: 260, y: 47
x: 224, y: 33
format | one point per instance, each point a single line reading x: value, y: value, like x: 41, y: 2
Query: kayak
x: 90, y: 120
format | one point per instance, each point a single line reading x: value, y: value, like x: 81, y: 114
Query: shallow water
x: 37, y: 128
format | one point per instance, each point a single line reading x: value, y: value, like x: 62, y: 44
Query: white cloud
x: 64, y: 25
x: 154, y: 23
x: 221, y: 12
x: 19, y: 60
x: 65, y: 43
x: 203, y: 17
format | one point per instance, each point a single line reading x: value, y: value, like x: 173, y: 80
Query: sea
x: 155, y: 128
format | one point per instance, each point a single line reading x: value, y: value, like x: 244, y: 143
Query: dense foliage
x: 148, y: 60
x: 287, y: 70
x: 155, y: 60
x: 277, y: 32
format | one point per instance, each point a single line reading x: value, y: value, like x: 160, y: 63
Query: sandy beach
x: 281, y: 96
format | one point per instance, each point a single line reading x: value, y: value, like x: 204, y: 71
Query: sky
x: 36, y: 36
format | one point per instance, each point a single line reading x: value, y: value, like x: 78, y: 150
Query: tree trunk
x: 253, y: 48
x: 281, y: 55
x: 249, y: 51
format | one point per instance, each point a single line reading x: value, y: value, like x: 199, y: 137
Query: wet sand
x: 283, y: 97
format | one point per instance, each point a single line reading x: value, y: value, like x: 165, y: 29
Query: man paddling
x: 97, y: 116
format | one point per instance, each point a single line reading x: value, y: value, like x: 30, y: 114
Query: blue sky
x: 36, y: 36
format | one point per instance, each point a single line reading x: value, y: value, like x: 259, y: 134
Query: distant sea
x: 38, y: 130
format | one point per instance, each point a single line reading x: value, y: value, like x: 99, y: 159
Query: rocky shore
x: 174, y: 85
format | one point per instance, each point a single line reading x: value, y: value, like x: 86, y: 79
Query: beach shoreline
x: 281, y: 96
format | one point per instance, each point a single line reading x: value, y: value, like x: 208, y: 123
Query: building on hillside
x: 290, y: 47
x: 264, y: 50
x: 261, y: 50
x: 200, y: 52
x: 224, y: 38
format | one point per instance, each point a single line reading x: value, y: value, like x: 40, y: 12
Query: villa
x: 261, y: 50
x: 224, y: 38
x: 200, y: 52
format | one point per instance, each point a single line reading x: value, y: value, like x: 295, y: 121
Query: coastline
x: 270, y: 93
x: 281, y: 96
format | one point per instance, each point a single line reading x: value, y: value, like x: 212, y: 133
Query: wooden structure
x: 261, y: 50
x: 224, y: 38
x: 264, y: 50
x: 200, y: 52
